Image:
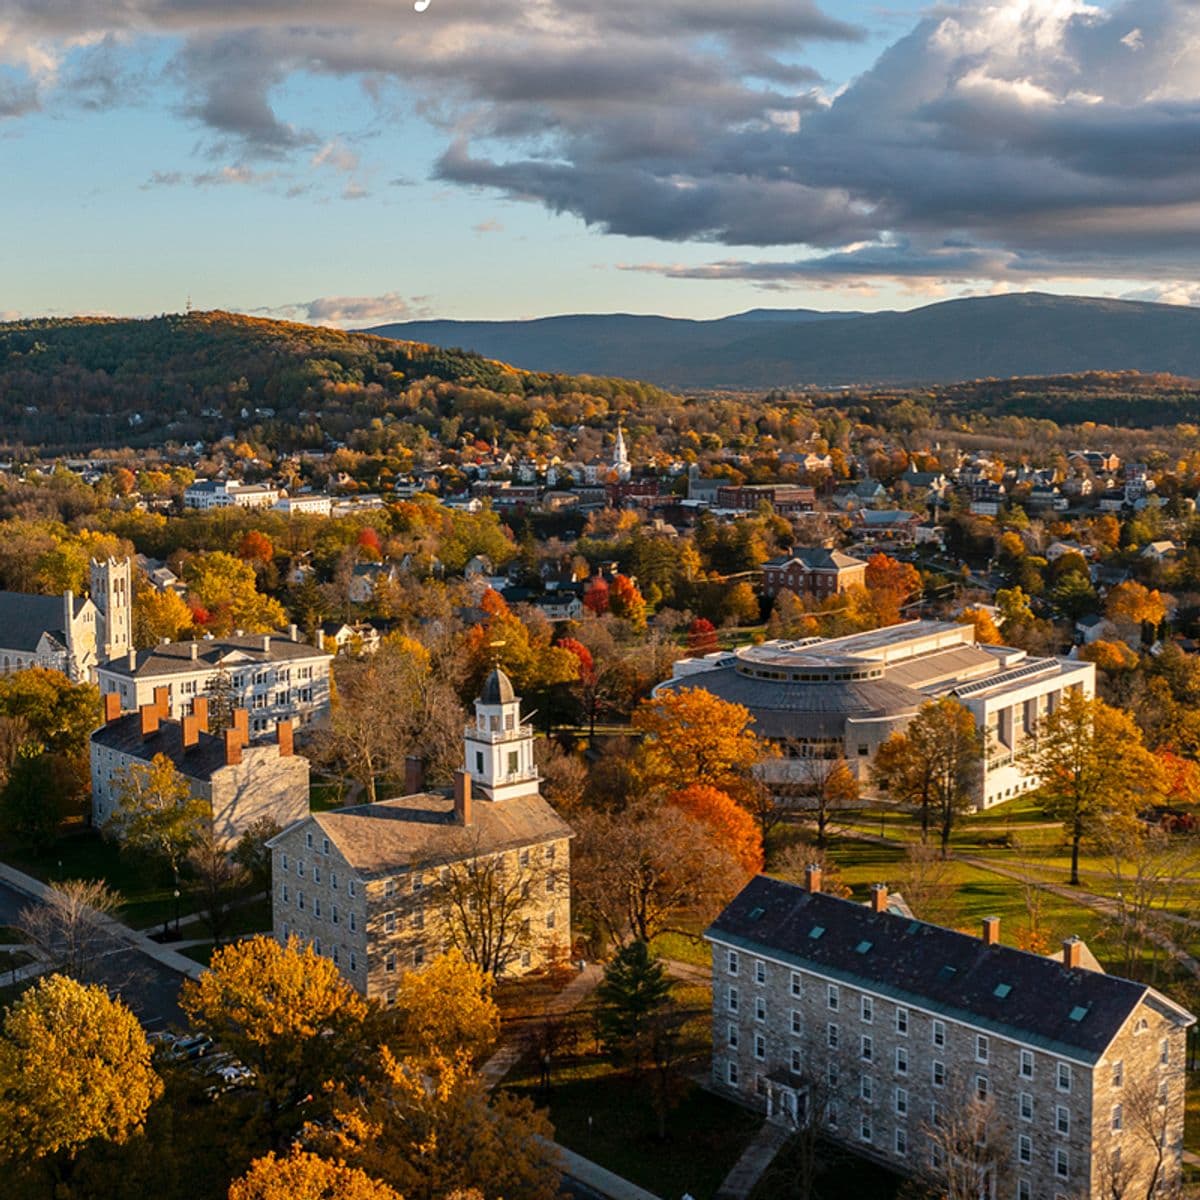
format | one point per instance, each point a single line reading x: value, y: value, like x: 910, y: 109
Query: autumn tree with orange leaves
x: 305, y: 1176
x: 891, y: 583
x: 730, y: 824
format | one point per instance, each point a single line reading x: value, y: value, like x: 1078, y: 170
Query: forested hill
x: 986, y: 336
x: 87, y: 381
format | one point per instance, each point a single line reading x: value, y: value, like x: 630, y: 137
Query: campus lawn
x: 607, y: 1116
x: 839, y: 1175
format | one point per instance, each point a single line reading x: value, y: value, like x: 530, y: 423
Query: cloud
x: 492, y: 226
x: 220, y: 177
x: 352, y: 310
x: 996, y: 141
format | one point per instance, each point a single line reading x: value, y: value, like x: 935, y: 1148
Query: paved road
x: 150, y: 989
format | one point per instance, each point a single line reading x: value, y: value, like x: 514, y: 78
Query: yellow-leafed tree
x: 74, y: 1068
x: 691, y: 736
x: 305, y: 1176
x: 448, y: 1006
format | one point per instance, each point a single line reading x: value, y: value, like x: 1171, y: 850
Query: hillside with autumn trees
x: 88, y: 381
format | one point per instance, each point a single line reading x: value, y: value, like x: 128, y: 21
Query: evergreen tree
x: 634, y: 991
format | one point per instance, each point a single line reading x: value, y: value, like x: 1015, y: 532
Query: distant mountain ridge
x: 1029, y: 333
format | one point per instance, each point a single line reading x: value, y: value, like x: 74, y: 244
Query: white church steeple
x: 620, y: 457
x: 499, y: 749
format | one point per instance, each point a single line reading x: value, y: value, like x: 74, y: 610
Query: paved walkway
x: 569, y: 999
x: 133, y: 938
x: 755, y: 1160
x: 599, y: 1179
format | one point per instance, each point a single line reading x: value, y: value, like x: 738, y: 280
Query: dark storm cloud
x: 998, y: 139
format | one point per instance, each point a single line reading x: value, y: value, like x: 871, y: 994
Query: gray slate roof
x: 817, y: 558
x: 202, y: 761
x: 172, y: 658
x: 24, y: 618
x: 1072, y: 1012
x: 394, y: 835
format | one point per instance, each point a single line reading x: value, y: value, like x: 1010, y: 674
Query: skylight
x: 947, y: 972
x: 1002, y: 990
x: 756, y: 914
x: 816, y: 931
x: 863, y: 947
x: 1078, y: 1013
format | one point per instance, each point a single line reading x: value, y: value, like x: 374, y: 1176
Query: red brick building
x: 812, y: 572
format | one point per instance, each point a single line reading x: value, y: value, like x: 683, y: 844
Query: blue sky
x: 359, y: 162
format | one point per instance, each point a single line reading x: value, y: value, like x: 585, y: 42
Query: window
x: 284, y: 893
x: 300, y: 867
x: 351, y: 888
x: 796, y: 1062
x: 831, y: 1115
x: 901, y: 1061
x: 283, y: 861
x: 981, y: 1087
x: 732, y: 999
x: 418, y: 956
x: 832, y: 1074
x: 389, y: 963
x: 981, y: 1048
x: 1062, y: 1163
x: 523, y: 858
x: 1164, y: 1051
x: 731, y: 1073
x: 418, y: 882
x: 333, y: 915
x: 935, y: 1114
x: 353, y: 961
x: 1024, y: 1190
x: 353, y: 921
x: 1064, y: 1077
x: 513, y: 762
x: 1025, y: 1106
x: 308, y: 840
x: 316, y: 874
x: 901, y: 1142
x: 731, y: 964
x: 1024, y: 1149
x: 1118, y: 1118
x: 333, y: 880
x: 1118, y: 1073
x: 760, y: 1046
x: 902, y: 1022
x: 901, y: 1102
x: 939, y: 1074
x: 389, y: 923
x: 864, y: 1129
x: 550, y: 881
x: 760, y: 1008
x: 939, y: 1033
x: 550, y: 919
x: 337, y: 955
x: 300, y: 901
x: 867, y: 1049
x: 831, y: 1036
x: 760, y: 971
x: 866, y: 1009
x: 1062, y: 1120
x: 1026, y: 1064
x: 796, y: 986
x: 732, y: 1039
x: 324, y: 845
x: 832, y: 997
x: 316, y: 906
x: 389, y: 888
x: 797, y: 1021
x: 866, y: 1088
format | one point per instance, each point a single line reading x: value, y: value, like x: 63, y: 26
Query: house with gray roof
x: 814, y: 572
x: 905, y: 1042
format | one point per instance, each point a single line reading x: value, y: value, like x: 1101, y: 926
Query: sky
x: 352, y: 162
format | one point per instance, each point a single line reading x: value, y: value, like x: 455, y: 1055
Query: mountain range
x: 1029, y: 333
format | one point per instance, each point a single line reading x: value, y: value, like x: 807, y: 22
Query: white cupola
x: 499, y: 749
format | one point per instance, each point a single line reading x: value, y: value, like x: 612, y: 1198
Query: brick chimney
x: 991, y: 931
x: 233, y: 748
x: 879, y: 897
x: 812, y: 877
x: 241, y: 725
x: 112, y: 707
x: 149, y: 719
x: 200, y: 711
x: 1072, y: 952
x: 191, y: 732
x: 462, y: 798
x: 414, y: 774
x: 162, y: 700
x: 283, y: 734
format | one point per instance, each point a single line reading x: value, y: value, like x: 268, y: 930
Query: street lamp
x: 176, y: 914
